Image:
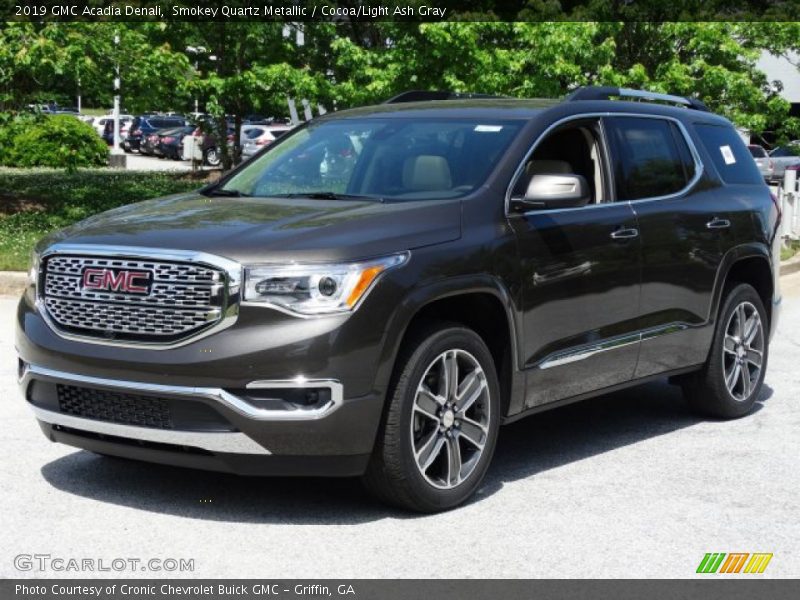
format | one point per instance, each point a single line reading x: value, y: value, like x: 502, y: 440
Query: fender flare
x: 729, y: 259
x: 424, y: 295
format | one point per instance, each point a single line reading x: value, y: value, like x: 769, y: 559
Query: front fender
x: 427, y: 293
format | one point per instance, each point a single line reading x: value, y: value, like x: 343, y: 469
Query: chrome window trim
x: 232, y: 300
x: 698, y: 163
x: 220, y: 395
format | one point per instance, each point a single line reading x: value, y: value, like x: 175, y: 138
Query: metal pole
x: 115, y: 149
x: 117, y: 158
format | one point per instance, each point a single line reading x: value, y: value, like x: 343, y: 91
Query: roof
x: 507, y: 108
x: 523, y: 109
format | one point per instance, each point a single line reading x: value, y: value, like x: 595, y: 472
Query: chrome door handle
x: 717, y: 223
x: 625, y: 233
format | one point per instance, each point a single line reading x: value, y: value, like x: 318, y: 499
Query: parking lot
x: 627, y: 485
x: 137, y: 162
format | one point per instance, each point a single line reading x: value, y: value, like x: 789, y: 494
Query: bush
x: 59, y: 141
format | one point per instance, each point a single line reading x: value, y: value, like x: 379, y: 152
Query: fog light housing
x: 286, y: 399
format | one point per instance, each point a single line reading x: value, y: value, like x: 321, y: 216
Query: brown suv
x: 379, y: 290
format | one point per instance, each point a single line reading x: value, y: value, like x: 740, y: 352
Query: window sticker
x: 488, y: 128
x: 727, y: 154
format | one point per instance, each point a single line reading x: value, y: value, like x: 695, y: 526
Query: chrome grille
x: 161, y: 294
x: 162, y: 271
x: 181, y: 300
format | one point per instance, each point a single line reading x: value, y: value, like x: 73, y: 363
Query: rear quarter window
x: 730, y: 156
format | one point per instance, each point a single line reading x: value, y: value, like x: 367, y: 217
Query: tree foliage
x: 252, y: 67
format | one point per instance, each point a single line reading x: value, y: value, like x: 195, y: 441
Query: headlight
x: 316, y: 289
x: 33, y: 269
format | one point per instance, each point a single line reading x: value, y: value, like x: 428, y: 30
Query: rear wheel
x: 211, y: 157
x: 440, y: 429
x: 731, y: 380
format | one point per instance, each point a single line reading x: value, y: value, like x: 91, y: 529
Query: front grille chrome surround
x: 191, y: 295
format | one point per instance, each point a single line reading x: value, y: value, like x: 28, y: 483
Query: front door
x: 581, y: 275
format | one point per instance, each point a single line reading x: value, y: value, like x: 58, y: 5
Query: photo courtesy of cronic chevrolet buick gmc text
x: 379, y: 290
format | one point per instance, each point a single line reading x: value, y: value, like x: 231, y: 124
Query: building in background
x: 785, y: 69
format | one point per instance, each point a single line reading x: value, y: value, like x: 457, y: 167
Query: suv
x: 384, y: 287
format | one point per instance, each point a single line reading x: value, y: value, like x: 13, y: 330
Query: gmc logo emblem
x: 110, y: 280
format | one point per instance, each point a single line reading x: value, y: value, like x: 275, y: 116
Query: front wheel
x: 731, y: 380
x: 440, y: 428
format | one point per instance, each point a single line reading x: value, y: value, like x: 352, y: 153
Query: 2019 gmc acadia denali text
x: 381, y: 289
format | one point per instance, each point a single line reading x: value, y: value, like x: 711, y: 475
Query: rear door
x: 683, y: 222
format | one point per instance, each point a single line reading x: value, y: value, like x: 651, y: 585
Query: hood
x: 271, y: 229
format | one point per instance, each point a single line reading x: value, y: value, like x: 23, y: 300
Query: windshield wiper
x: 226, y: 193
x: 329, y: 196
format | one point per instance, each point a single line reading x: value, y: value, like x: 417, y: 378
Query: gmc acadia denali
x: 380, y: 290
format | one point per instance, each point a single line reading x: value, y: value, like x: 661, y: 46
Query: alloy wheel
x: 450, y: 421
x: 743, y: 351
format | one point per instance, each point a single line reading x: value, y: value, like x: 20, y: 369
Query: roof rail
x: 607, y: 92
x: 422, y: 95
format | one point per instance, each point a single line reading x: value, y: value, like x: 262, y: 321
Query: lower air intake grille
x: 114, y: 407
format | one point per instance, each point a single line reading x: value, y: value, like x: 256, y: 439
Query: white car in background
x: 99, y: 123
x: 255, y: 137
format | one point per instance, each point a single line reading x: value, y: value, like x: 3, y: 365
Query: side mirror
x: 553, y: 191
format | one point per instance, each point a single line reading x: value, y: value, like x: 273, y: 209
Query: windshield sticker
x: 727, y: 154
x: 488, y: 128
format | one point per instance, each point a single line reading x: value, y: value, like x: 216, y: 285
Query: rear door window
x: 651, y: 157
x: 730, y: 156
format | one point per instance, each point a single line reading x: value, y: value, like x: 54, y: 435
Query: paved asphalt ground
x: 628, y: 485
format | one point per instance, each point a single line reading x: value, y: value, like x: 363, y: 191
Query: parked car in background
x: 256, y: 137
x: 204, y: 144
x: 99, y: 123
x: 170, y: 142
x: 148, y: 143
x: 784, y: 156
x: 145, y: 125
x: 763, y: 162
x: 124, y: 127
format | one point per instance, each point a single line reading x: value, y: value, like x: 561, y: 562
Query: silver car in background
x: 256, y: 137
x: 784, y: 156
x: 763, y: 162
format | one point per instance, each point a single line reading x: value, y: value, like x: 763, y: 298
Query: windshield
x: 390, y: 159
x: 757, y: 151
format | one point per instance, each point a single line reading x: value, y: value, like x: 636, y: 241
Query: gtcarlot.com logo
x: 734, y: 562
x: 48, y: 562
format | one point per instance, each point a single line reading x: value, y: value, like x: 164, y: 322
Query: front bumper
x: 333, y: 439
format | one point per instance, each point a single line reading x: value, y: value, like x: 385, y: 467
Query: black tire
x: 211, y: 157
x: 708, y: 391
x: 393, y: 474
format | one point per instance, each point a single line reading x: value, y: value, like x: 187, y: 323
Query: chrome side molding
x: 571, y: 355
